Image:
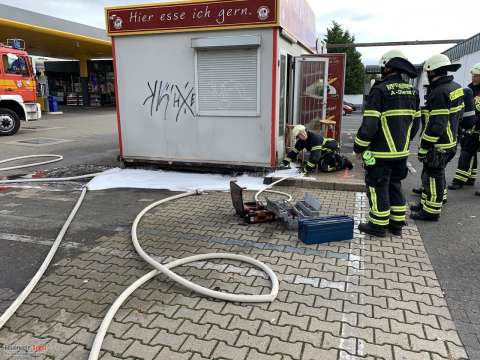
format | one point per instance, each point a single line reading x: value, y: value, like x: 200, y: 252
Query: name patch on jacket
x: 400, y: 89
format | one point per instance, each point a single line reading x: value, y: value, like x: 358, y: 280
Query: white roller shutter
x: 228, y: 82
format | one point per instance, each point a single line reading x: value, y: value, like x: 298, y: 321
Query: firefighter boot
x: 424, y: 216
x: 395, y: 227
x: 456, y: 185
x: 348, y: 164
x: 395, y: 230
x: 373, y: 230
x: 416, y: 207
x: 417, y: 191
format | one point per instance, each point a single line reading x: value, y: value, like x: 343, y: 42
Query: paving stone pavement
x: 368, y: 298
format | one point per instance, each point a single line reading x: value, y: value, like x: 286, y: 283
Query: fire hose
x: 158, y: 267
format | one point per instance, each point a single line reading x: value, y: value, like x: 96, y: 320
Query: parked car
x: 347, y: 109
x: 354, y: 108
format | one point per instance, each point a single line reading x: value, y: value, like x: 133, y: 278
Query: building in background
x: 466, y: 53
x: 86, y: 82
x: 64, y: 82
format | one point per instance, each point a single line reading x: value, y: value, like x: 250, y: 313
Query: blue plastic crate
x: 52, y: 104
x: 325, y: 229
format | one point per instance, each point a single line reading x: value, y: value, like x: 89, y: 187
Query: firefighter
x: 323, y: 152
x: 438, y: 145
x: 475, y: 86
x: 466, y: 172
x: 390, y: 120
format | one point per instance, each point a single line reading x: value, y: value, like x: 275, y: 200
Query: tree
x: 355, y: 72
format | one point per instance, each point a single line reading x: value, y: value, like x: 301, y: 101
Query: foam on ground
x: 177, y: 181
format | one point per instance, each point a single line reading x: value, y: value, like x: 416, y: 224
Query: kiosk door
x: 310, y: 96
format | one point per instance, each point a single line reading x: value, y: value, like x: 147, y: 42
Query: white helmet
x: 475, y: 69
x: 297, y: 130
x: 396, y: 59
x: 440, y: 61
x: 389, y: 55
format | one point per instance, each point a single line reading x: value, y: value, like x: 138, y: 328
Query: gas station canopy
x: 49, y: 36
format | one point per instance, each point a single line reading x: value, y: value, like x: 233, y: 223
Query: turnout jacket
x: 443, y: 111
x: 315, y: 143
x: 476, y: 102
x: 469, y: 120
x: 390, y: 120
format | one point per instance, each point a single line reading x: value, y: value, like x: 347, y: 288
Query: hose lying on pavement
x: 159, y: 268
x: 165, y: 269
x: 36, y: 278
x: 56, y: 159
x: 266, y: 188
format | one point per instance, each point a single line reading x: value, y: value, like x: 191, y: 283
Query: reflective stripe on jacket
x: 469, y: 119
x: 445, y: 107
x: 390, y: 120
x: 476, y: 102
x: 315, y: 142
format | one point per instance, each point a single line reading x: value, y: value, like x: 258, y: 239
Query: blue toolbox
x: 325, y: 229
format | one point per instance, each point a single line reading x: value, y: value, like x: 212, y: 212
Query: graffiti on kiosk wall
x: 164, y: 97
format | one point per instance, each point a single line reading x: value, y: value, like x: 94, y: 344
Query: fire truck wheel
x: 9, y: 122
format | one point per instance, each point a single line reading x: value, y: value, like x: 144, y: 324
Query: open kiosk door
x: 311, y: 89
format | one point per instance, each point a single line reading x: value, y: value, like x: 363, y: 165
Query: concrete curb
x: 319, y: 184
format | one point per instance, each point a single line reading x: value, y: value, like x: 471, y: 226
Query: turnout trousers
x: 468, y: 161
x: 384, y: 190
x: 326, y: 160
x: 434, y: 184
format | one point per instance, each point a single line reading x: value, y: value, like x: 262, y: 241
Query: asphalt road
x: 31, y: 215
x: 81, y: 136
x: 453, y: 244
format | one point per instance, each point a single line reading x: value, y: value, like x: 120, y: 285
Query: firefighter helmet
x: 297, y: 130
x: 475, y: 69
x: 389, y: 55
x: 397, y: 60
x: 440, y: 61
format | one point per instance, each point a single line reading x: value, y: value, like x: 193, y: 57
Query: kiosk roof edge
x: 153, y: 4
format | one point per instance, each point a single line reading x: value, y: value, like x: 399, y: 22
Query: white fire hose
x: 56, y: 158
x: 158, y: 267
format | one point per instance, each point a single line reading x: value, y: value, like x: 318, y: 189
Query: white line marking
x: 357, y: 263
x: 36, y: 241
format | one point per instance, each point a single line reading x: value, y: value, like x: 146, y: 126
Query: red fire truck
x: 18, y: 93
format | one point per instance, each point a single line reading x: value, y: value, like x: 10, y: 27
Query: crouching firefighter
x: 469, y: 134
x: 323, y: 152
x: 438, y: 145
x: 390, y: 120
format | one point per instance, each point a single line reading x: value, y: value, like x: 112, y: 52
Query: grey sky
x: 372, y: 20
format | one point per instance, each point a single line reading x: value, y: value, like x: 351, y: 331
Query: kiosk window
x: 13, y: 64
x: 228, y: 82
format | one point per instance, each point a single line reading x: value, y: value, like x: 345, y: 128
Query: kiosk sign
x: 197, y: 16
